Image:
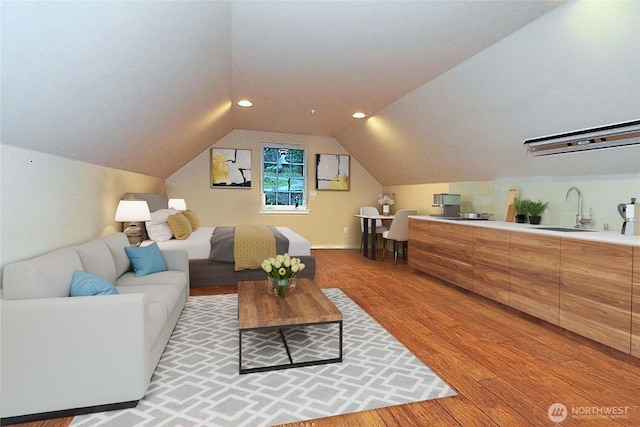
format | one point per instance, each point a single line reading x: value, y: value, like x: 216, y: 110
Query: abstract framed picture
x: 230, y: 168
x: 332, y: 172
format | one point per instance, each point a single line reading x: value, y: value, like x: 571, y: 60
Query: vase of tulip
x: 281, y: 272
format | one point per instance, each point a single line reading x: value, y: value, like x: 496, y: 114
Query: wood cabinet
x: 418, y: 245
x: 491, y: 250
x: 595, y: 291
x: 535, y: 275
x: 447, y: 254
x: 450, y: 253
x: 588, y: 287
x: 635, y: 304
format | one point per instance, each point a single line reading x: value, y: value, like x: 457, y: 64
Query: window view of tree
x: 283, y: 175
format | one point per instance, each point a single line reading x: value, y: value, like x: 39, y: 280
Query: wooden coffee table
x: 304, y: 305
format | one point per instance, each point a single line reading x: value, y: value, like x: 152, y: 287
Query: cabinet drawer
x: 491, y: 257
x: 450, y: 270
x: 462, y: 233
x: 538, y: 256
x: 595, y: 291
x: 450, y: 248
x: 440, y: 229
x: 498, y: 239
x: 418, y: 230
x: 491, y: 283
x: 534, y: 295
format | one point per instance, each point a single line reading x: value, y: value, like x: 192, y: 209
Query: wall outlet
x: 346, y: 230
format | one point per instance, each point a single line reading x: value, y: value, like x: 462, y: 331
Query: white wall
x: 48, y: 202
x: 600, y: 193
x: 576, y: 67
x: 330, y: 211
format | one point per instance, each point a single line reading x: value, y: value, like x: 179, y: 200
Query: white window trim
x: 284, y: 209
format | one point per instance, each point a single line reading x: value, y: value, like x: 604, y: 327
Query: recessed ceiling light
x: 245, y: 103
x: 358, y: 115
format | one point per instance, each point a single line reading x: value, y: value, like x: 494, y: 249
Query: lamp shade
x: 132, y: 211
x: 178, y: 204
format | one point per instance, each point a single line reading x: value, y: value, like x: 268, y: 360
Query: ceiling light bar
x: 358, y: 115
x: 245, y: 103
x: 614, y: 135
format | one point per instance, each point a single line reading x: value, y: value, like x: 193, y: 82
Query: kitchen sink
x: 563, y: 229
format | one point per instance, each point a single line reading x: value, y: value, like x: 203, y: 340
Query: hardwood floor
x: 507, y: 368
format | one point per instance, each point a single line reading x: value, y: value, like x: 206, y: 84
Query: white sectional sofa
x: 63, y: 355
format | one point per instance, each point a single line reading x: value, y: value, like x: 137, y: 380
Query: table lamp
x: 133, y: 211
x: 178, y: 204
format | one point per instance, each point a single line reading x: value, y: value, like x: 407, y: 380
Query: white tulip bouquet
x: 282, y: 267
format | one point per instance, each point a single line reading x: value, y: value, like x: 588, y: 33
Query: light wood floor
x: 507, y: 368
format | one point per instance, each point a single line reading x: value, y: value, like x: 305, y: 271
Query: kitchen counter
x: 611, y: 236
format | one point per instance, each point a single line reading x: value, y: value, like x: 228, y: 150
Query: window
x: 284, y: 177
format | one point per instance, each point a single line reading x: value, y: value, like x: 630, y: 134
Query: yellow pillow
x: 180, y: 226
x: 193, y: 219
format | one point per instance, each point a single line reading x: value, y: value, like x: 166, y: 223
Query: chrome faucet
x: 580, y: 222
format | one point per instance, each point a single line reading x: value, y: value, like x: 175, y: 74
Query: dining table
x: 369, y: 223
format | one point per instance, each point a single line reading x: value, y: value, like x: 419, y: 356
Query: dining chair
x: 398, y: 232
x: 370, y: 210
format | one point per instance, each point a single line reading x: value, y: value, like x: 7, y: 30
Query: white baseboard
x: 335, y: 247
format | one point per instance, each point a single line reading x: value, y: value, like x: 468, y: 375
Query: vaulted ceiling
x: 146, y: 86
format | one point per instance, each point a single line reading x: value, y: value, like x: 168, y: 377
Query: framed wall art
x: 230, y: 168
x: 332, y: 172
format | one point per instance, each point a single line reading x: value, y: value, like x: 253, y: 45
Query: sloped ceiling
x: 146, y: 86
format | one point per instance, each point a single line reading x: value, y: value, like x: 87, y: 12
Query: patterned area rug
x: 197, y: 381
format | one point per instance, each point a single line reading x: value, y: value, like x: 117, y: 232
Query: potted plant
x: 535, y: 210
x: 522, y: 208
x: 386, y: 200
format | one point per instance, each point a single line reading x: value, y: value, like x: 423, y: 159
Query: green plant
x: 521, y: 206
x: 536, y: 208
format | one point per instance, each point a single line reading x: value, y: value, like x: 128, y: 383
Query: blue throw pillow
x: 88, y: 284
x: 146, y: 260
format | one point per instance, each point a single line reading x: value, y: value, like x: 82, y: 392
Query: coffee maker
x: 630, y: 213
x: 449, y: 204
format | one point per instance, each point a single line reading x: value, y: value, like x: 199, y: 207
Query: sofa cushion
x: 166, y: 295
x: 146, y: 260
x: 44, y: 276
x: 180, y: 226
x: 85, y: 284
x: 116, y: 243
x: 175, y: 278
x: 96, y: 258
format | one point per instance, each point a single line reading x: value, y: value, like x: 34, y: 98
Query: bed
x: 204, y: 272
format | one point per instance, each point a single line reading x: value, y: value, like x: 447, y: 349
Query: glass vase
x: 279, y: 287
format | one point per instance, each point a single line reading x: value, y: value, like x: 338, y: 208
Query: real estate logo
x: 557, y: 412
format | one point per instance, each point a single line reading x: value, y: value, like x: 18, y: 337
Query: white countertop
x: 611, y: 236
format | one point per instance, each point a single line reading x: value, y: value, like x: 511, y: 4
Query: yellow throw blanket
x: 252, y: 245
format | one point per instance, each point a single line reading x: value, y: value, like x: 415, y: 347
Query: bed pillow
x: 85, y: 284
x: 146, y: 259
x: 193, y: 219
x: 180, y: 226
x: 157, y: 227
